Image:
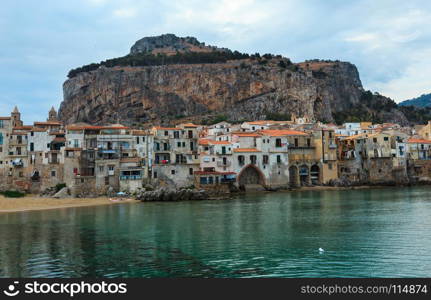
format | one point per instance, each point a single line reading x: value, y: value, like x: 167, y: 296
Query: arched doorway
x: 293, y: 176
x: 251, y: 175
x: 304, y: 175
x: 315, y: 174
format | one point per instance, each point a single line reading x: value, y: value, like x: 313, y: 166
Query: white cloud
x: 389, y: 41
x: 125, y: 12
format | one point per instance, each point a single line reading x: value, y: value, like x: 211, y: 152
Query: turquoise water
x: 365, y: 233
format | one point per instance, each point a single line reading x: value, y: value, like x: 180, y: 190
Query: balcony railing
x: 130, y: 177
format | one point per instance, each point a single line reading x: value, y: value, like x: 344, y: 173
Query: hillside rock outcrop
x: 243, y: 89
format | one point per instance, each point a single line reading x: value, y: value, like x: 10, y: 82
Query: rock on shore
x: 171, y: 194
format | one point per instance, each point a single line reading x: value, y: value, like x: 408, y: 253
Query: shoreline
x: 35, y: 203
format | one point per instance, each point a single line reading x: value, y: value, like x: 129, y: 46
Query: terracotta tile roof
x: 282, y: 132
x: 213, y: 142
x: 19, y: 132
x: 139, y: 132
x: 245, y: 150
x: 264, y: 122
x: 220, y: 142
x: 165, y: 128
x: 83, y: 127
x: 36, y: 129
x: 25, y: 127
x: 48, y: 123
x: 190, y: 125
x: 418, y: 141
x: 73, y: 149
x: 203, y: 141
x: 356, y: 136
x: 246, y: 134
x: 5, y: 118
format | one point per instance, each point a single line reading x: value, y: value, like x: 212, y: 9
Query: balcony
x: 130, y: 177
x: 162, y: 162
x: 17, y: 143
x: 108, y: 154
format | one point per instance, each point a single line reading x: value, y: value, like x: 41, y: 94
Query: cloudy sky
x: 40, y: 41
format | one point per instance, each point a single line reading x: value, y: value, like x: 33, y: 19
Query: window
x: 1, y: 124
x: 52, y: 173
x: 385, y: 138
x: 241, y: 160
x: 296, y: 142
x: 173, y: 172
x: 278, y: 143
x: 165, y: 146
x: 111, y: 167
x: 166, y: 133
x: 190, y: 134
x: 253, y: 159
x: 176, y: 134
x: 31, y: 146
x: 375, y: 140
x: 278, y: 159
x: 330, y: 166
x: 137, y: 140
x: 179, y: 144
x: 155, y: 174
x: 190, y: 171
x: 101, y: 168
x: 308, y: 142
x: 253, y: 128
x: 265, y: 159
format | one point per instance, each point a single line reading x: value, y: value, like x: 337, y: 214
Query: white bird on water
x: 321, y: 250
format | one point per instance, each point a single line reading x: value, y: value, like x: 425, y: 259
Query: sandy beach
x: 33, y: 202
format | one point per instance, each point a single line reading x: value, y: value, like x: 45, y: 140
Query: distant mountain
x: 421, y: 101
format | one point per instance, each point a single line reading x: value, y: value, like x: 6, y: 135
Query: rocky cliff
x: 242, y: 89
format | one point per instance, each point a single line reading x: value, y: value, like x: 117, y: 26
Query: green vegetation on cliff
x: 149, y: 59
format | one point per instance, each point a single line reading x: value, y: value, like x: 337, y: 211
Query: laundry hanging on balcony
x: 17, y: 162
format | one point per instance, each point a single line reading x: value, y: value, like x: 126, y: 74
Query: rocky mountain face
x: 169, y: 44
x: 244, y: 89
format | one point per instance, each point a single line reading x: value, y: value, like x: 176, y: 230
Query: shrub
x: 59, y: 186
x: 12, y: 194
